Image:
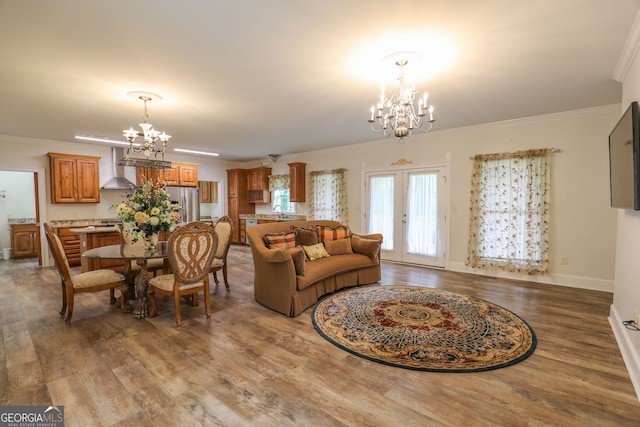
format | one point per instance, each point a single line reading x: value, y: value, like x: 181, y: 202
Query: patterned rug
x: 423, y: 329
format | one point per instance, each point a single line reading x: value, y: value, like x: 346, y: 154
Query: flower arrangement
x: 148, y: 211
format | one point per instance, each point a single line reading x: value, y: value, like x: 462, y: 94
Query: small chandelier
x: 398, y: 112
x: 151, y: 137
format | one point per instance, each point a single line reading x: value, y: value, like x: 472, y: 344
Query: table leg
x: 141, y: 290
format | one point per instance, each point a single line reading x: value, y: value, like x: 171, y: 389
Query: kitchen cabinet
x: 297, y: 182
x: 208, y: 191
x: 258, y: 185
x: 74, y: 178
x: 179, y: 175
x: 25, y: 240
x: 71, y: 244
x: 238, y: 202
x: 144, y: 174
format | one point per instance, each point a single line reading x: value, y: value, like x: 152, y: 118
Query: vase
x: 151, y: 242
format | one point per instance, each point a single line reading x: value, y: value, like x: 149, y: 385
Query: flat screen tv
x: 624, y: 160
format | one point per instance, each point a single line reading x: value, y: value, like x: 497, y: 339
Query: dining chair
x: 90, y: 281
x: 190, y: 252
x: 224, y: 231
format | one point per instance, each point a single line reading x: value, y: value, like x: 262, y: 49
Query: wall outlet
x: 564, y: 260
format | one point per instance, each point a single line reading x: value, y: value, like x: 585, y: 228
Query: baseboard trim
x: 627, y: 348
x: 550, y: 279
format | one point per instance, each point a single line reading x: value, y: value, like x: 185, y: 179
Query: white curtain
x: 328, y: 195
x: 422, y: 214
x: 509, y: 215
x: 381, y: 218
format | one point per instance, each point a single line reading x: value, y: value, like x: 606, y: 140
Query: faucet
x: 281, y: 215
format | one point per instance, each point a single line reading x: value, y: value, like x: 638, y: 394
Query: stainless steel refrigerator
x: 189, y: 199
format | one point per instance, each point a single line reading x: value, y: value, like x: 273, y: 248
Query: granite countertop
x: 274, y: 217
x: 92, y: 229
x: 14, y: 221
x: 80, y: 222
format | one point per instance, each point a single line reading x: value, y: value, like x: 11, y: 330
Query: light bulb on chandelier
x: 154, y: 142
x: 397, y: 115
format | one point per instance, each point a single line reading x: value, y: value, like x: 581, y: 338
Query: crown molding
x: 628, y: 52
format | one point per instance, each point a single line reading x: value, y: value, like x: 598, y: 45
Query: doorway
x: 409, y: 208
x: 19, y: 215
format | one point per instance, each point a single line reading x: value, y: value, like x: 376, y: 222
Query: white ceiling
x: 246, y: 78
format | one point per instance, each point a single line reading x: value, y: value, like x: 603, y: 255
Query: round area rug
x: 423, y: 329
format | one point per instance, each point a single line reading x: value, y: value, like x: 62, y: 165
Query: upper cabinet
x: 297, y: 182
x: 258, y: 185
x: 208, y: 191
x: 74, y: 178
x: 180, y: 175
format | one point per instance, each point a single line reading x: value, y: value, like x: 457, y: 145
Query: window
x: 280, y: 201
x: 328, y: 190
x: 509, y: 217
x: 279, y: 187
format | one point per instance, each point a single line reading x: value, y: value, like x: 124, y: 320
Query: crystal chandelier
x: 398, y: 113
x: 154, y: 142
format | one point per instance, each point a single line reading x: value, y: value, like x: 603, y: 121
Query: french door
x: 409, y: 208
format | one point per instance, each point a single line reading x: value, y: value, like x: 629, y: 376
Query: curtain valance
x: 278, y: 182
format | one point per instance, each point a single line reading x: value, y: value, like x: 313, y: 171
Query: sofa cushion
x: 331, y: 266
x: 305, y: 236
x: 338, y: 247
x: 326, y: 232
x: 368, y: 247
x: 298, y: 256
x: 286, y: 240
x: 315, y: 252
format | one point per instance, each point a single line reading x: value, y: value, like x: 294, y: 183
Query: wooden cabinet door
x: 171, y: 176
x: 23, y: 241
x: 232, y: 183
x: 253, y: 180
x: 297, y: 182
x: 64, y: 177
x: 188, y: 175
x: 88, y: 181
x: 205, y: 191
x: 234, y: 215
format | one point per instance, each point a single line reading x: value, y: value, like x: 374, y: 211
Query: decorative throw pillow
x: 305, y: 236
x: 298, y: 256
x: 280, y: 240
x: 315, y: 251
x: 368, y: 247
x: 326, y: 232
x: 338, y: 247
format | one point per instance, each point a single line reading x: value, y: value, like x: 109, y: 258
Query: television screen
x: 624, y: 161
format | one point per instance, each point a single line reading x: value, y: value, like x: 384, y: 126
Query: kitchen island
x: 95, y: 237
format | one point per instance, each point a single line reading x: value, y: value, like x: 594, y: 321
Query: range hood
x: 118, y: 182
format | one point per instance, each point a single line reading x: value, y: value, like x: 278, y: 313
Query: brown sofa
x: 278, y: 287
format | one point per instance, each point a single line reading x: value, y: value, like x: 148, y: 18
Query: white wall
x: 583, y: 225
x: 626, y: 295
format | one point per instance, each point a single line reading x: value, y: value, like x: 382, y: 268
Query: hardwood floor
x: 249, y: 366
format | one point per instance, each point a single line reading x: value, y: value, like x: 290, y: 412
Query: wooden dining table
x: 136, y: 284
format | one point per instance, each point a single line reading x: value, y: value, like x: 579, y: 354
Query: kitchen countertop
x: 80, y: 222
x: 92, y: 229
x: 274, y: 217
x: 20, y: 221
